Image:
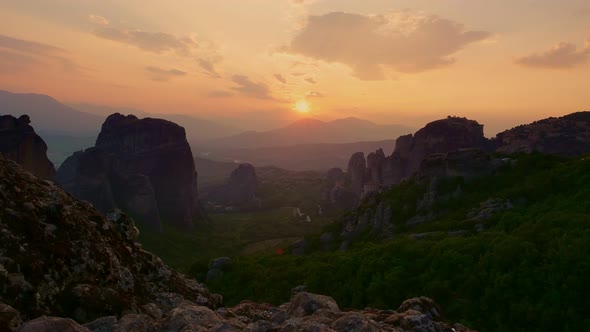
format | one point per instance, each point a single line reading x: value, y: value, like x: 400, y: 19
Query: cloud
x: 310, y: 80
x: 35, y: 53
x: 560, y: 56
x: 163, y: 75
x: 160, y: 42
x: 209, y: 66
x: 280, y: 78
x: 219, y: 94
x: 314, y: 94
x: 403, y: 41
x: 250, y: 88
x: 97, y: 19
x: 156, y: 42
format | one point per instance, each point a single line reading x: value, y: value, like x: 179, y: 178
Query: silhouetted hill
x: 309, y: 131
x: 49, y: 116
x: 568, y: 135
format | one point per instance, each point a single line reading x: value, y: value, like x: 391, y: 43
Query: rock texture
x: 144, y: 167
x: 59, y: 256
x: 568, y: 135
x: 19, y: 142
x: 439, y: 137
x: 304, y: 312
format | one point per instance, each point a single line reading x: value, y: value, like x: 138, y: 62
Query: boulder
x: 20, y: 143
x: 52, y: 324
x: 9, y: 318
x: 304, y: 304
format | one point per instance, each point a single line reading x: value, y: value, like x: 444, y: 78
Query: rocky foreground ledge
x: 305, y: 312
x: 59, y: 257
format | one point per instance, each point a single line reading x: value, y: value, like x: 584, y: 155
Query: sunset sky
x: 501, y: 62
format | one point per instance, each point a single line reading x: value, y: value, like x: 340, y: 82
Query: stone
x: 20, y: 143
x: 188, y: 316
x: 103, y: 324
x: 52, y: 324
x: 10, y: 319
x: 355, y: 322
x: 304, y: 304
x: 299, y: 247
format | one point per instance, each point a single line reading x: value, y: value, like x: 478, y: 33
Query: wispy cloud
x: 32, y: 52
x: 280, y: 78
x: 314, y: 94
x: 163, y: 75
x: 220, y: 94
x: 246, y: 86
x: 97, y: 19
x: 561, y: 56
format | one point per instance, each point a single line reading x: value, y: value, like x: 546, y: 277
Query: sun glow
x: 302, y: 106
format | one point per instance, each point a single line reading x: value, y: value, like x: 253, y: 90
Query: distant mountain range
x: 300, y: 157
x: 312, y: 131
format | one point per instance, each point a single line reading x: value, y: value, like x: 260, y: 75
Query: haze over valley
x: 294, y: 165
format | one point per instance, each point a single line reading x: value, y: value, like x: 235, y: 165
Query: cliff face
x: 19, y: 142
x: 144, y: 167
x: 568, y: 135
x: 60, y: 256
x: 440, y: 136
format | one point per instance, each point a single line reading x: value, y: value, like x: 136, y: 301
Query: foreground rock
x: 60, y: 257
x: 144, y: 167
x: 304, y: 312
x: 19, y: 142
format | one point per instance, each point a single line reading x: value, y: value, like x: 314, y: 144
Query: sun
x: 302, y: 106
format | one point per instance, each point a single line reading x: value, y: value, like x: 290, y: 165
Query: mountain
x: 298, y: 157
x: 49, y: 116
x: 310, y: 131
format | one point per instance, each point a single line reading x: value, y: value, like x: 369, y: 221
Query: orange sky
x: 501, y: 62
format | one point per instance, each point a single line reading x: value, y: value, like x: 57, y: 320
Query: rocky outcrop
x: 60, y: 257
x: 304, y: 312
x: 238, y: 192
x: 19, y: 142
x: 438, y: 137
x: 357, y: 171
x: 466, y: 163
x: 568, y: 136
x: 144, y: 167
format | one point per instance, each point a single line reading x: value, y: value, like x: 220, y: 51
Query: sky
x: 262, y: 63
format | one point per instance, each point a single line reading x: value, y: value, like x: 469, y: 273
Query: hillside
x: 519, y: 237
x: 307, y: 131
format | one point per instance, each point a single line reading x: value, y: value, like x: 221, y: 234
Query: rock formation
x: 144, y: 167
x: 568, y: 136
x: 19, y: 142
x: 60, y: 256
x: 440, y: 136
x: 242, y: 185
x: 238, y: 191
